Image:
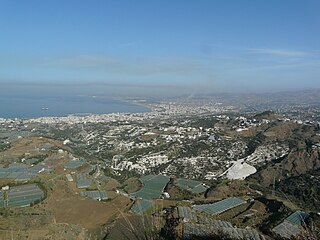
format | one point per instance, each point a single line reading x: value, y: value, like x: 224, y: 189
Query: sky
x: 159, y: 46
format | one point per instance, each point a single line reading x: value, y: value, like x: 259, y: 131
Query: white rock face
x: 240, y: 170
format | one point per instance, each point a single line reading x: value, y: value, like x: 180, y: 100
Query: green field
x: 153, y: 187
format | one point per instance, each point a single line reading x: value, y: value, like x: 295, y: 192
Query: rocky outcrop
x: 295, y: 164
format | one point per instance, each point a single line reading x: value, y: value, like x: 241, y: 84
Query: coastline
x: 74, y: 106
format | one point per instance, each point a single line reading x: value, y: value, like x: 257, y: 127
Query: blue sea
x: 33, y: 107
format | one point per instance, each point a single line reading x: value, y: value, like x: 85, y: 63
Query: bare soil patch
x: 69, y: 207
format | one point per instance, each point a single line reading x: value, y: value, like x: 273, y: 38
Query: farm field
x: 221, y: 206
x: 135, y: 227
x: 24, y: 195
x: 190, y: 185
x: 29, y: 145
x: 153, y: 187
x: 86, y: 212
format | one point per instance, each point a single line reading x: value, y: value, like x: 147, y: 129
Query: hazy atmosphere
x: 121, y: 48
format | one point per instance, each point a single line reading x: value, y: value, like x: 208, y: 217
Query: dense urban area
x: 206, y: 167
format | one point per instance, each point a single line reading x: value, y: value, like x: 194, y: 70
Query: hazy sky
x: 160, y: 45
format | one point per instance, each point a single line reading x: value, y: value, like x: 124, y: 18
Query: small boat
x: 45, y: 108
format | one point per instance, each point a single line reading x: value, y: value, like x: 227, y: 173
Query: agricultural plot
x: 18, y: 174
x: 191, y: 185
x: 136, y: 227
x: 12, y: 135
x: 290, y: 227
x: 21, y: 196
x: 286, y: 230
x: 213, y: 222
x: 240, y: 233
x: 25, y: 176
x: 73, y: 164
x: 96, y: 195
x: 141, y: 206
x: 13, y: 171
x: 82, y: 211
x: 298, y: 217
x: 84, y: 183
x: 187, y: 214
x: 1, y: 199
x: 153, y: 186
x: 21, y: 172
x: 197, y: 225
x: 221, y: 206
x: 191, y: 231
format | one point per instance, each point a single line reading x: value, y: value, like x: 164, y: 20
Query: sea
x: 35, y: 107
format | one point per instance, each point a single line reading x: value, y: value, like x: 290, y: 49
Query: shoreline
x: 147, y: 109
